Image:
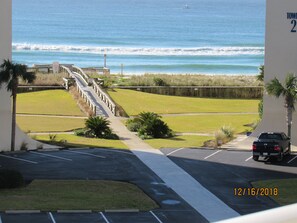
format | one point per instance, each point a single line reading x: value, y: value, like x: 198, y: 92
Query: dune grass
x: 134, y: 102
x: 178, y: 142
x: 49, y: 102
x: 78, y: 141
x: 53, y: 195
x: 209, y: 123
x: 48, y: 124
x: 190, y: 80
x: 287, y: 189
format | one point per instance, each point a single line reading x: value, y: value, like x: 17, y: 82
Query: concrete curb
x: 23, y: 212
x: 74, y: 211
x: 122, y: 210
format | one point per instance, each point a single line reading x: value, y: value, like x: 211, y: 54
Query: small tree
x: 10, y: 74
x: 288, y: 91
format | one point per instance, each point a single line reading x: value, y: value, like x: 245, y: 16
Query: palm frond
x: 275, y: 88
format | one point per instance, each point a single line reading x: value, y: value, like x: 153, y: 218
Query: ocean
x: 143, y: 36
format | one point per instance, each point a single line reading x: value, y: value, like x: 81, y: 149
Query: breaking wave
x: 199, y: 51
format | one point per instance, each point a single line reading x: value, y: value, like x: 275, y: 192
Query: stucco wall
x: 5, y: 101
x: 5, y: 53
x: 280, y: 58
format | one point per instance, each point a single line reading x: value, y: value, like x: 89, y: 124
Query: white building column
x: 280, y: 59
x: 5, y: 100
x: 5, y: 53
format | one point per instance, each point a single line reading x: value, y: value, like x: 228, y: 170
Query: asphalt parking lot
x: 222, y: 172
x: 97, y: 164
x: 219, y: 171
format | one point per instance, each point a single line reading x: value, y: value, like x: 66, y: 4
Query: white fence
x: 105, y: 98
x: 81, y: 91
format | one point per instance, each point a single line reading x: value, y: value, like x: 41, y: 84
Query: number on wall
x: 294, y: 23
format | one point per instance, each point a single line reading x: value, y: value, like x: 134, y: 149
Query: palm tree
x: 98, y: 126
x: 288, y: 91
x: 260, y: 76
x: 10, y: 74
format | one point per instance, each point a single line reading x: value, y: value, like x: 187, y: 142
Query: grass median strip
x: 78, y: 141
x: 53, y: 195
x: 287, y: 189
x: 179, y: 142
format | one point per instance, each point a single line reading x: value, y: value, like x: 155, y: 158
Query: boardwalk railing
x: 81, y: 73
x: 105, y: 98
x: 80, y: 90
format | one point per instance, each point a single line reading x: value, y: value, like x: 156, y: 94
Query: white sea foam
x: 199, y: 51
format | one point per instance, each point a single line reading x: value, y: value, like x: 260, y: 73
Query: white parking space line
x: 248, y: 158
x: 156, y: 217
x: 88, y: 154
x: 103, y: 216
x: 291, y: 160
x: 52, y: 217
x: 10, y: 157
x: 212, y: 154
x: 52, y: 156
x: 0, y: 220
x: 174, y: 151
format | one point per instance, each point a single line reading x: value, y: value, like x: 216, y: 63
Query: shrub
x: 10, y: 179
x: 133, y: 124
x: 97, y: 127
x: 52, y: 137
x: 223, y: 135
x: 156, y: 128
x: 149, y: 125
x: 80, y: 132
x: 159, y: 82
x: 220, y: 138
x: 228, y: 131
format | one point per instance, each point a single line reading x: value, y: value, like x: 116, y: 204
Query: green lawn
x: 287, y: 189
x: 48, y: 124
x: 78, y: 141
x: 134, y: 102
x: 178, y: 142
x: 52, y: 195
x: 209, y: 123
x: 50, y: 102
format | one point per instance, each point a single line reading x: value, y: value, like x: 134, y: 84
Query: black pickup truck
x: 271, y: 144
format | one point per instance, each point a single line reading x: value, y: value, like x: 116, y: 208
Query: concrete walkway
x: 207, y: 204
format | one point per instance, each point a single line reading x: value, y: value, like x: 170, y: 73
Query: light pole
x: 104, y: 58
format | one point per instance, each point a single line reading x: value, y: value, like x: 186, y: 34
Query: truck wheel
x: 289, y: 150
x: 256, y: 158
